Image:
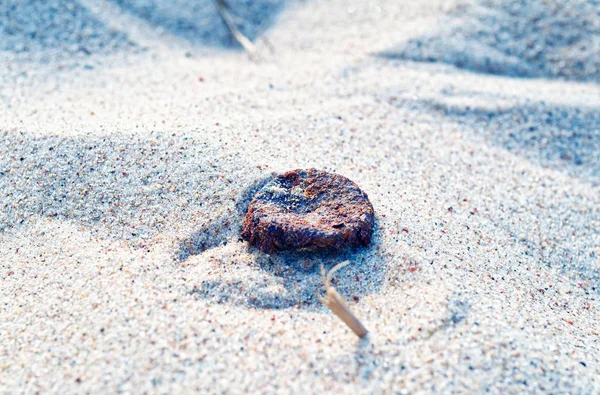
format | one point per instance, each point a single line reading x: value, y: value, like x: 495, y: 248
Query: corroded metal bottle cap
x: 309, y: 209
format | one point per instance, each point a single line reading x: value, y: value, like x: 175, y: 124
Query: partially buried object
x: 309, y: 210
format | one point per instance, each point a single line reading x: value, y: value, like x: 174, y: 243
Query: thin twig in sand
x: 260, y: 32
x: 268, y: 44
x: 336, y: 303
x: 243, y: 40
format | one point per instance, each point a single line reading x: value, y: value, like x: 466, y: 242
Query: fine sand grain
x: 133, y: 135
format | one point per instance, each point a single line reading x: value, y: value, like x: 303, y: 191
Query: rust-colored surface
x: 309, y: 209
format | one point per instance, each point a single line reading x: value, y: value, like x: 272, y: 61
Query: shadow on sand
x: 67, y: 29
x: 536, y: 38
x: 565, y: 138
x: 241, y: 275
x: 199, y: 21
x: 60, y: 28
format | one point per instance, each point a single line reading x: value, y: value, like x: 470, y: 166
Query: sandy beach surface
x: 134, y: 133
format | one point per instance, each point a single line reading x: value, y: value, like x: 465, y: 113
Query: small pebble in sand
x: 309, y: 209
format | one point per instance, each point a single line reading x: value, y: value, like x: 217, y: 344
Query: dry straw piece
x: 222, y: 7
x: 336, y: 303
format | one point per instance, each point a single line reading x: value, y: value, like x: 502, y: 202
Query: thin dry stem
x: 237, y: 34
x: 336, y: 304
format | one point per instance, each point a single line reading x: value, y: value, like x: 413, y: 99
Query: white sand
x: 125, y: 168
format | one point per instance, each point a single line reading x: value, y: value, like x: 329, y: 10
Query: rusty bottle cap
x: 309, y: 209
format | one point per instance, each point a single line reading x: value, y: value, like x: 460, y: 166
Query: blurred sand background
x: 133, y: 134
